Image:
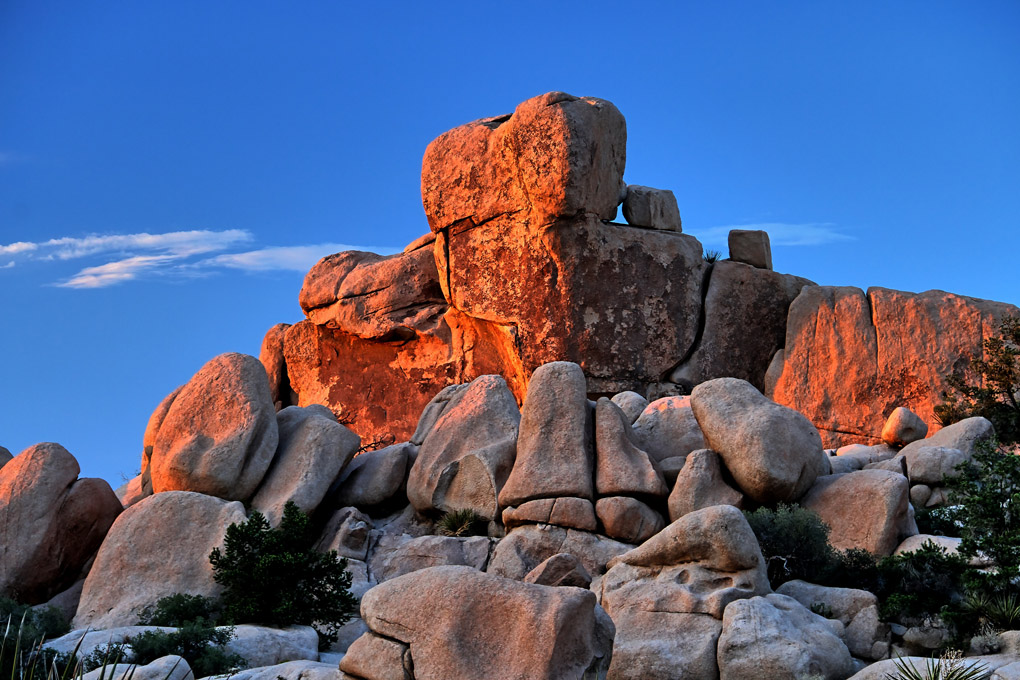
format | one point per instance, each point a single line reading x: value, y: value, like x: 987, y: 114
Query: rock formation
x: 563, y: 384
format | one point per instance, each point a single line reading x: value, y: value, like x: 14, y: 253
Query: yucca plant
x: 949, y: 666
x: 459, y: 523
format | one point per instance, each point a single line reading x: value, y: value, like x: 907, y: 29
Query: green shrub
x: 198, y: 642
x: 178, y: 609
x: 461, y: 523
x: 985, y: 500
x: 48, y: 622
x: 950, y: 666
x: 794, y: 542
x: 274, y: 577
x: 925, y: 583
x: 995, y: 394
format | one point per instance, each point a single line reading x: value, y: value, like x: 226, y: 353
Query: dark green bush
x: 178, y: 609
x: 794, y: 542
x: 48, y: 622
x: 994, y: 395
x: 985, y: 501
x: 198, y: 642
x: 274, y: 577
x: 925, y: 583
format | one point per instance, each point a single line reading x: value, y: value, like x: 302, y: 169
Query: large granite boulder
x: 773, y: 452
x: 375, y: 297
x: 430, y: 551
x: 219, y: 434
x: 499, y: 628
x: 313, y: 449
x: 667, y: 596
x: 157, y: 547
x: 621, y: 468
x: 467, y: 456
x: 851, y: 358
x: 555, y: 456
x: 51, y: 522
x: 775, y: 636
x: 867, y: 509
x: 375, y: 477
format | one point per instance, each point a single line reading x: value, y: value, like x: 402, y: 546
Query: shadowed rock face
x: 51, y: 522
x: 851, y: 358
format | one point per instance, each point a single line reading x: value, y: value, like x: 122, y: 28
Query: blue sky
x: 169, y: 171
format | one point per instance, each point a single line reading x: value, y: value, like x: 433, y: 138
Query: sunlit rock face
x: 851, y: 357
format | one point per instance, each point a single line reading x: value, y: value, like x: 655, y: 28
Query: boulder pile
x: 600, y: 400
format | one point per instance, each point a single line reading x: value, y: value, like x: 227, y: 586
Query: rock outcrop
x: 851, y: 357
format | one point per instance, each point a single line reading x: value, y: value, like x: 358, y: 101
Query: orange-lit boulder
x: 157, y: 547
x: 219, y: 434
x: 379, y: 389
x: 375, y: 297
x: 555, y: 155
x: 520, y: 630
x: 851, y: 358
x: 51, y: 522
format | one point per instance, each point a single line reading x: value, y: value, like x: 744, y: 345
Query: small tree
x: 996, y: 395
x: 274, y: 577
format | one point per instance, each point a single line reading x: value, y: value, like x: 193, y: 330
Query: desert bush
x: 178, y: 609
x: 794, y: 542
x: 198, y: 642
x: 922, y: 584
x: 996, y: 394
x: 274, y: 577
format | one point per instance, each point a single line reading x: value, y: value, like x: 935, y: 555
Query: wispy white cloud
x: 292, y: 258
x: 8, y: 265
x: 118, y: 271
x: 132, y: 256
x: 780, y: 233
x: 18, y: 247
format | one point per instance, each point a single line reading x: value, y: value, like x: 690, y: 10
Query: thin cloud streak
x: 780, y: 233
x: 289, y: 258
x: 173, y: 253
x: 116, y: 272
